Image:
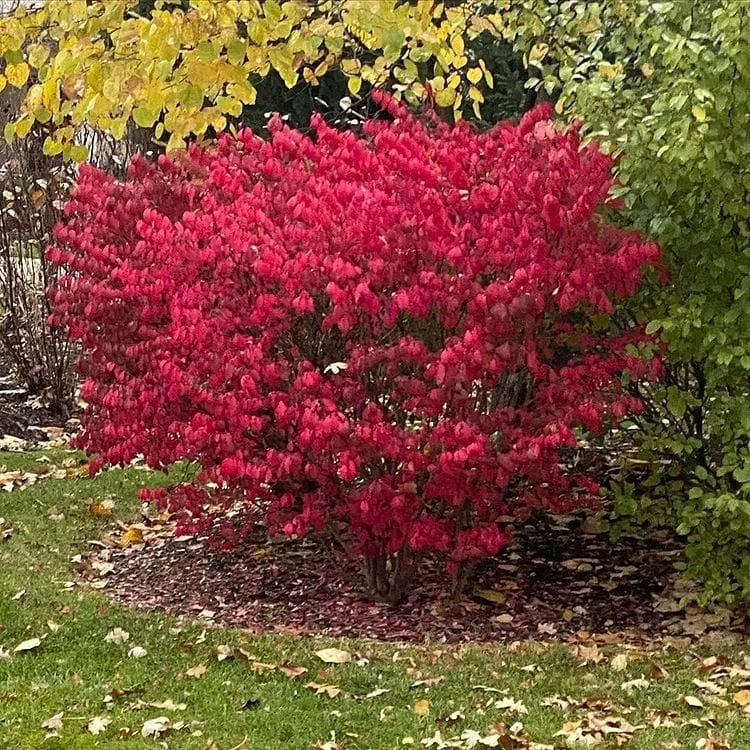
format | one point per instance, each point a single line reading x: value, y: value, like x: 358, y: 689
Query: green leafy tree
x: 667, y: 85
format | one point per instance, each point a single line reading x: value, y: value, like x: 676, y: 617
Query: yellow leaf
x: 132, y: 536
x: 145, y: 117
x: 446, y: 97
x: 244, y: 91
x: 474, y: 75
x: 422, y: 707
x: 647, y: 69
x: 607, y: 71
x: 742, y: 698
x: 476, y: 95
x: 17, y: 74
x: 37, y: 55
x: 97, y: 509
x: 51, y: 94
x: 51, y: 147
x: 354, y: 84
x: 490, y: 595
x: 333, y: 656
x: 592, y: 25
x: 699, y: 113
x: 23, y: 125
x: 3, y: 81
x: 29, y: 645
x: 457, y: 45
x: 229, y: 105
x: 79, y: 153
x: 538, y: 52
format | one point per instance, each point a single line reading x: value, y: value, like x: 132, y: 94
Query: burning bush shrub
x: 388, y: 336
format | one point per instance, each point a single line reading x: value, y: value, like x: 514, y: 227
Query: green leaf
x: 207, y: 51
x: 78, y: 153
x: 236, y: 50
x: 676, y: 402
x: 51, y: 147
x: 145, y: 117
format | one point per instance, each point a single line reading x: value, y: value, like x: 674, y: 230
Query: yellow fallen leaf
x: 101, y: 510
x: 422, y: 707
x: 32, y: 643
x: 620, y: 662
x: 132, y: 536
x: 742, y: 698
x: 490, y: 595
x: 197, y: 671
x: 333, y: 655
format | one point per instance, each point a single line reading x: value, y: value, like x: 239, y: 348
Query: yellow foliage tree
x: 184, y: 66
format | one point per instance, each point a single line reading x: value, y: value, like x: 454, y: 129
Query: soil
x: 563, y: 580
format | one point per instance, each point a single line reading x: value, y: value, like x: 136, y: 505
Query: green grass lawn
x: 378, y: 700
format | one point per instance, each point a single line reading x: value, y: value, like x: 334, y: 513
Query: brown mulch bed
x: 566, y: 580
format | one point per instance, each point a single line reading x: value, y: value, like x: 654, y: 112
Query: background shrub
x: 390, y: 337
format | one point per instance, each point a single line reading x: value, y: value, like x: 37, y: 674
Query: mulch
x: 558, y: 580
x: 24, y: 418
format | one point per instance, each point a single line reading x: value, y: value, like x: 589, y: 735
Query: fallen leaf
x: 330, y: 690
x: 422, y: 707
x: 159, y: 725
x: 333, y: 656
x: 156, y: 727
x: 638, y: 684
x: 32, y: 643
x: 691, y: 700
x: 490, y: 595
x: 117, y: 635
x: 292, y: 671
x: 54, y: 722
x: 510, y: 704
x: 377, y: 692
x: 658, y: 673
x: 137, y: 652
x: 98, y: 724
x: 224, y: 652
x: 620, y: 662
x: 588, y: 653
x: 742, y: 698
x: 259, y: 666
x: 134, y: 535
x: 197, y: 671
x: 428, y: 682
x: 18, y: 595
x: 101, y: 510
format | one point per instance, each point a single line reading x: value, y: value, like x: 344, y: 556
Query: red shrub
x: 389, y: 336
